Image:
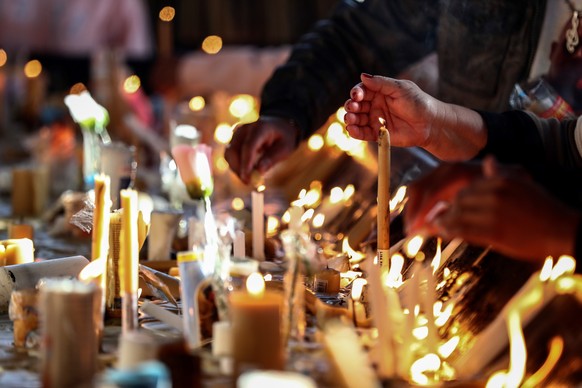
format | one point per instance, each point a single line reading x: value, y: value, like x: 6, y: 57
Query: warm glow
x: 3, y: 57
x: 334, y: 132
x: 446, y: 349
x: 256, y: 285
x: 32, y: 69
x: 394, y: 277
x: 212, y: 44
x: 93, y: 270
x: 436, y: 261
x: 398, y: 198
x: 268, y: 277
x: 336, y: 195
x: 315, y: 142
x: 413, y: 246
x: 354, y: 256
x: 318, y: 220
x: 565, y: 265
x: 429, y: 363
x: 131, y: 84
x: 546, y: 271
x: 341, y: 112
x: 237, y: 203
x: 556, y: 349
x: 261, y: 188
x: 272, y: 225
x: 186, y: 130
x: 358, y: 288
x: 167, y: 14
x: 223, y: 133
x: 196, y: 103
x: 241, y: 105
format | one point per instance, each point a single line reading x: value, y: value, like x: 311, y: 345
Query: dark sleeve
x: 373, y: 36
x: 519, y: 137
x: 546, y: 148
x: 578, y: 247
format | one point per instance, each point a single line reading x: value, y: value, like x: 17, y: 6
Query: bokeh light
x: 197, y: 103
x: 167, y: 14
x: 131, y: 84
x: 212, y: 44
x: 32, y: 69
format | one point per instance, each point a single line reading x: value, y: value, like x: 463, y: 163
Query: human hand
x: 508, y: 211
x: 407, y: 110
x: 413, y: 118
x: 260, y: 145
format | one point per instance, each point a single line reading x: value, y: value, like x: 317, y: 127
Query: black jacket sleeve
x: 373, y: 36
x: 545, y: 147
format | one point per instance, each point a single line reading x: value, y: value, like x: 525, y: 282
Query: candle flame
x: 429, y: 363
x: 413, y: 246
x: 336, y: 194
x: 354, y: 256
x: 546, y: 271
x: 443, y: 316
x: 420, y: 333
x: 349, y: 192
x: 398, y: 198
x: 272, y: 226
x: 436, y: 262
x: 394, y: 276
x: 318, y: 220
x: 565, y: 265
x: 260, y: 188
x: 256, y: 285
x: 446, y: 349
x: 358, y: 288
x: 307, y: 215
x: 268, y: 277
x: 93, y: 270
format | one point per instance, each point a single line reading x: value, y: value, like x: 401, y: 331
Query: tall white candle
x: 258, y: 217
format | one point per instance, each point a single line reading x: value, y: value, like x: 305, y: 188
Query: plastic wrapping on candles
x: 192, y: 276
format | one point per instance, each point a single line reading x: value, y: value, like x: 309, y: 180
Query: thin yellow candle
x: 128, y: 253
x: 100, y: 241
x: 383, y: 196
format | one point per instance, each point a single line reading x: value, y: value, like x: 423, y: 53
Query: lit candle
x: 258, y: 214
x: 129, y: 259
x: 383, y: 196
x: 286, y: 379
x: 358, y: 308
x: 256, y: 323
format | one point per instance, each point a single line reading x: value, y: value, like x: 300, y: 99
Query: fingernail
x: 366, y: 75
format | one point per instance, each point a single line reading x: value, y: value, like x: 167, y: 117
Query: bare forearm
x: 457, y: 133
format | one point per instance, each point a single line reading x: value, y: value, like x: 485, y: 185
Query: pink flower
x: 194, y: 166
